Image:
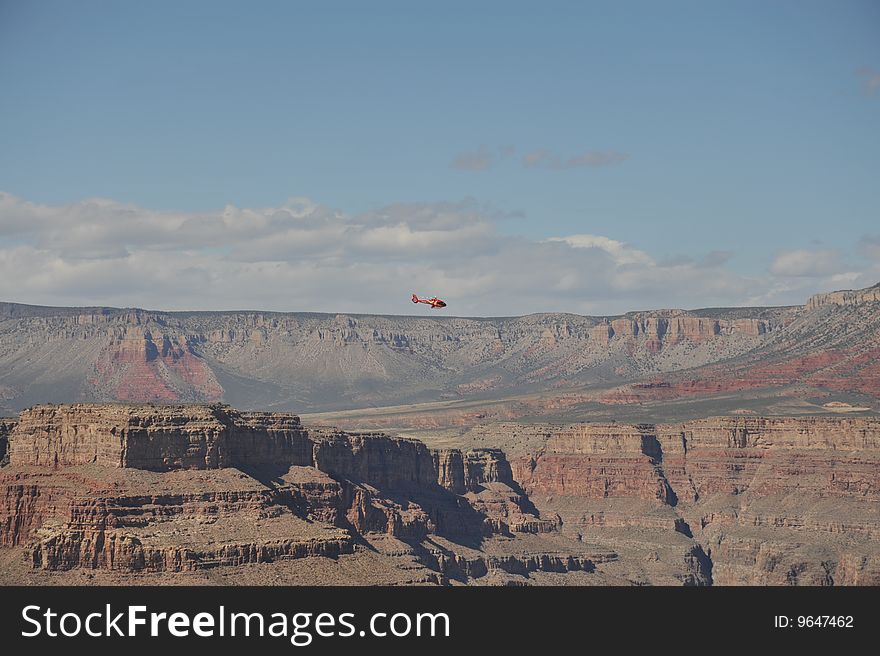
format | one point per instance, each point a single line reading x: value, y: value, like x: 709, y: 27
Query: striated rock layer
x: 825, y: 350
x: 846, y: 297
x: 175, y: 489
x: 181, y: 490
x: 768, y: 500
x: 284, y: 360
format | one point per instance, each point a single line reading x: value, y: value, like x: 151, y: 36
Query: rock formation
x: 768, y: 500
x: 846, y: 297
x: 170, y: 489
x: 151, y: 492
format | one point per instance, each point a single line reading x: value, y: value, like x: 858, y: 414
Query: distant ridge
x: 308, y: 362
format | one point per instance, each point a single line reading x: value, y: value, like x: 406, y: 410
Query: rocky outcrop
x: 122, y: 552
x: 768, y: 500
x: 672, y: 327
x: 468, y: 472
x: 596, y: 461
x: 846, y: 297
x: 117, y: 436
x: 165, y: 438
x: 376, y: 459
x: 458, y: 567
x: 670, y: 463
x: 156, y: 438
x: 95, y: 486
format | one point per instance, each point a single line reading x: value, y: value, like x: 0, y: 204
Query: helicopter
x: 433, y: 302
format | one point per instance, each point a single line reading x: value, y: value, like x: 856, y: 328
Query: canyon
x: 142, y: 493
x: 726, y: 446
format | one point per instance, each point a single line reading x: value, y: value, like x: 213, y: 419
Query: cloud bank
x: 807, y: 263
x: 305, y: 256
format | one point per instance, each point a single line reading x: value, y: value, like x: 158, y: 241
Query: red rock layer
x: 834, y: 456
x: 595, y: 461
x: 770, y: 500
x: 851, y: 370
x: 137, y: 367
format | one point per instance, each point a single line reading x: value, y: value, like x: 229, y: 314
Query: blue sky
x: 746, y: 132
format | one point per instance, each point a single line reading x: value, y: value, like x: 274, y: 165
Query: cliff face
x: 166, y: 438
x: 139, y: 364
x: 769, y: 500
x: 596, y: 461
x: 658, y: 332
x: 158, y: 438
x: 468, y: 472
x: 846, y: 297
x: 182, y: 488
x: 706, y: 456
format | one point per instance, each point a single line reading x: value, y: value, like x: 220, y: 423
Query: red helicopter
x: 433, y: 302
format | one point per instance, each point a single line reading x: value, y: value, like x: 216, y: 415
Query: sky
x: 509, y: 157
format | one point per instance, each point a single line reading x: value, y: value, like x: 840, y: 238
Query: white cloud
x: 622, y: 253
x: 304, y: 256
x: 806, y: 263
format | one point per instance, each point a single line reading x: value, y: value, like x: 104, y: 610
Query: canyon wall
x: 769, y: 500
x: 174, y: 489
x: 155, y: 437
x: 827, y: 348
x: 166, y: 438
x: 280, y: 360
x: 163, y: 489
